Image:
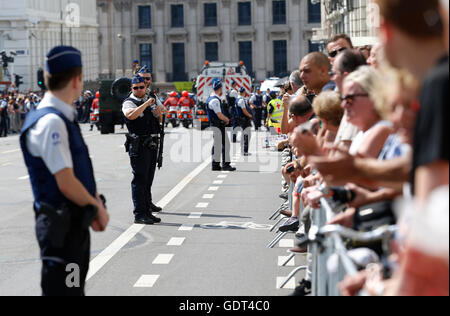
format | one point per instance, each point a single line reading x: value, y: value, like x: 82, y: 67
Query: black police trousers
x: 257, y: 118
x: 64, y: 269
x: 3, y: 125
x: 144, y: 167
x: 221, y: 146
x: 246, y: 125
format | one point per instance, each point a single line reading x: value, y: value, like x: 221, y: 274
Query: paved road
x: 212, y: 240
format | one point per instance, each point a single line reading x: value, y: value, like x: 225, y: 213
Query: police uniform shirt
x: 234, y: 94
x: 241, y: 103
x: 49, y: 138
x: 214, y: 104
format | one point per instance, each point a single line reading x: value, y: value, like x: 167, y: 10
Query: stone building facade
x: 176, y: 37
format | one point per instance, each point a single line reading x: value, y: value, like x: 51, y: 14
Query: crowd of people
x: 14, y: 107
x: 367, y: 127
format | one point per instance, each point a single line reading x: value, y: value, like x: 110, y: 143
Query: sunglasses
x: 139, y: 88
x: 334, y: 53
x: 351, y: 98
x: 147, y: 78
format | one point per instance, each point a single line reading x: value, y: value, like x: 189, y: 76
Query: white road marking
x: 213, y: 189
x: 225, y: 172
x: 163, y: 259
x: 147, y: 281
x: 11, y: 151
x: 100, y: 260
x: 24, y: 178
x: 222, y: 176
x: 208, y: 196
x: 286, y: 243
x: 186, y: 227
x: 202, y: 205
x: 282, y: 259
x: 195, y: 215
x: 289, y: 286
x: 218, y: 182
x: 6, y: 164
x: 176, y: 241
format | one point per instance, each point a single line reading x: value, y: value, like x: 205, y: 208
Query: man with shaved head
x: 315, y: 73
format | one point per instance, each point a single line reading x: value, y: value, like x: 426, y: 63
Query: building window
x: 146, y: 55
x: 279, y: 12
x: 177, y: 15
x: 246, y: 55
x: 210, y: 14
x: 314, y: 13
x: 280, y: 58
x: 145, y: 17
x: 179, y: 62
x: 314, y: 47
x: 212, y: 51
x: 244, y: 13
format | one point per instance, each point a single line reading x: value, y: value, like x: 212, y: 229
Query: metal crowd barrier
x: 325, y: 241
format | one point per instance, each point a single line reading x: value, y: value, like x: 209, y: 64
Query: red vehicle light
x: 190, y: 116
x: 181, y: 116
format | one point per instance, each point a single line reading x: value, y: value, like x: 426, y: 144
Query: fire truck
x: 227, y: 72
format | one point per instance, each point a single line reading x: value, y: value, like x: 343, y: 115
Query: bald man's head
x: 314, y: 71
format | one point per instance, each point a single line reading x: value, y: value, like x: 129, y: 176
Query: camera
x: 6, y: 59
x: 290, y: 170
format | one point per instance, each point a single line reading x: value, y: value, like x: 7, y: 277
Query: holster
x: 59, y: 222
x: 151, y: 142
x: 132, y: 145
x: 66, y: 217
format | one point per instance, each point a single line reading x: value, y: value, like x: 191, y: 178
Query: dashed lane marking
x: 218, y: 182
x: 222, y: 176
x: 289, y: 286
x: 100, y: 260
x: 208, y: 196
x: 186, y: 227
x: 176, y: 241
x: 202, y: 205
x: 213, y: 189
x: 282, y: 259
x: 24, y: 178
x: 286, y: 243
x: 147, y: 281
x: 195, y: 215
x: 163, y: 259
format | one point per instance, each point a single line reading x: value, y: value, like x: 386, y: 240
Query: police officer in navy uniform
x: 245, y: 119
x: 142, y: 119
x: 232, y: 96
x: 147, y: 75
x: 218, y: 122
x: 256, y: 103
x: 66, y: 201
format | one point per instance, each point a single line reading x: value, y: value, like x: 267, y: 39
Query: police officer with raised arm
x: 245, y: 119
x: 141, y: 117
x: 218, y: 122
x: 66, y: 201
x: 145, y: 73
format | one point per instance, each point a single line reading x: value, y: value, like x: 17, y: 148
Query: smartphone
x: 308, y: 127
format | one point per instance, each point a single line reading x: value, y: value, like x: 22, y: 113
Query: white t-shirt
x: 49, y: 138
x: 361, y: 137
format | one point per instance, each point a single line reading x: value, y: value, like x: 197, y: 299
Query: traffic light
x: 40, y: 79
x: 18, y: 81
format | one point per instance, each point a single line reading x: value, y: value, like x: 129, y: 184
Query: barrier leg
x: 278, y: 222
x: 292, y: 274
x: 288, y: 259
x: 276, y: 240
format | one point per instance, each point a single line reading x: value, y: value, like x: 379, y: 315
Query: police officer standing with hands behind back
x: 66, y: 201
x: 218, y: 122
x: 142, y: 119
x: 245, y: 120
